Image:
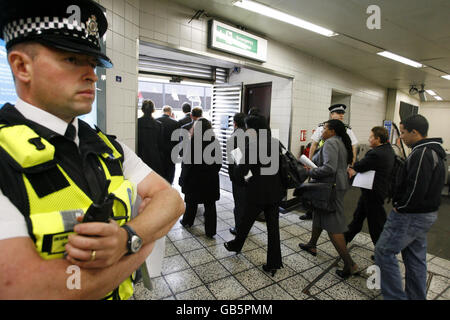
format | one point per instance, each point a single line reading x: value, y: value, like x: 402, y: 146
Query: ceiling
x: 416, y: 29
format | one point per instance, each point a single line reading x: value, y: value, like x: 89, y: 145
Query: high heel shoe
x: 228, y: 245
x: 269, y: 270
x: 346, y: 274
x: 308, y: 248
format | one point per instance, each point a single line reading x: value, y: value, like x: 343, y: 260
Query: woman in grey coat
x: 332, y: 161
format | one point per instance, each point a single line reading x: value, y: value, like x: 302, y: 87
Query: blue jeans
x: 405, y: 233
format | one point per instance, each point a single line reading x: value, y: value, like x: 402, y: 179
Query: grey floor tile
x: 249, y: 245
x: 183, y: 281
x: 219, y: 251
x: 283, y: 273
x: 253, y: 279
x: 236, y: 263
x: 225, y: 215
x: 257, y: 256
x: 226, y: 235
x: 159, y: 290
x: 208, y: 242
x: 284, y: 222
x: 312, y: 274
x: 199, y: 293
x: 327, y: 281
x: 247, y: 297
x: 343, y: 291
x: 445, y: 264
x: 197, y: 257
x: 295, y: 230
x: 298, y: 263
x: 260, y: 239
x: 294, y: 286
x: 223, y: 226
x: 284, y: 235
x: 211, y: 272
x: 173, y: 264
x: 273, y: 292
x: 227, y: 289
x: 360, y: 283
x: 323, y: 296
x: 431, y: 267
x: 179, y: 234
x: 439, y: 284
x: 170, y: 249
x: 186, y: 245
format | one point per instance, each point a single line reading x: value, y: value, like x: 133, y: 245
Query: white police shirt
x: 12, y: 222
x: 317, y: 135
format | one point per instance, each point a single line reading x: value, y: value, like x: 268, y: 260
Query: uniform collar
x: 45, y: 119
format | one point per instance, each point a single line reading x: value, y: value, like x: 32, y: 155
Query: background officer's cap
x: 70, y: 25
x: 339, y: 108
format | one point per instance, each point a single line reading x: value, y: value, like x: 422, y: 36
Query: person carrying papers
x: 372, y: 174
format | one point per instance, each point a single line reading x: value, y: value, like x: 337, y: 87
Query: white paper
x: 307, y: 162
x: 236, y: 154
x: 364, y: 179
x: 248, y: 176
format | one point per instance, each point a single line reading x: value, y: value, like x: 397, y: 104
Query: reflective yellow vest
x: 53, y: 216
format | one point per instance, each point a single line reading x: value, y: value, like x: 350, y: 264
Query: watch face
x: 136, y: 243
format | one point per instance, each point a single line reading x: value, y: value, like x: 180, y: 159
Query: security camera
x: 413, y: 90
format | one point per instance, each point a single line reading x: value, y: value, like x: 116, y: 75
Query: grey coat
x: 331, y: 161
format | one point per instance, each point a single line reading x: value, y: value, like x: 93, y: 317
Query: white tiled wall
x: 121, y: 43
x: 438, y: 115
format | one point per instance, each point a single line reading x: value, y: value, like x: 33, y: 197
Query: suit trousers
x: 271, y: 212
x: 370, y: 206
x: 239, y: 204
x: 210, y: 216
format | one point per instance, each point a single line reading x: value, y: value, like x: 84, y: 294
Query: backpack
x: 292, y: 172
x: 396, y: 177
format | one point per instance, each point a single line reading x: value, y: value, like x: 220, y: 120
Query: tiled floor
x: 198, y: 268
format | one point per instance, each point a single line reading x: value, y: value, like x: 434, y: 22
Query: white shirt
x: 12, y: 222
x: 317, y: 135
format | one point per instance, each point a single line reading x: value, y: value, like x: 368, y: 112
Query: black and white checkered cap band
x: 340, y: 108
x: 39, y: 25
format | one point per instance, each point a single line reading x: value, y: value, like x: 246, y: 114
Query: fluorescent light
x: 401, y: 59
x: 446, y: 77
x: 284, y: 17
x: 438, y: 98
x: 431, y: 92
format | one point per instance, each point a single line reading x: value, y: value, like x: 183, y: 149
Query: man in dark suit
x: 169, y: 126
x: 150, y: 138
x: 186, y: 107
x: 370, y: 204
x: 237, y: 137
x: 196, y: 114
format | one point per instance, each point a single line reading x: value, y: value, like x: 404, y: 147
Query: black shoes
x: 229, y: 246
x: 346, y: 274
x: 185, y: 224
x: 269, y: 270
x: 308, y: 248
x: 307, y: 216
x: 233, y: 231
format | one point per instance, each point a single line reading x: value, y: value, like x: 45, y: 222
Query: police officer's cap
x: 70, y: 25
x: 339, y: 108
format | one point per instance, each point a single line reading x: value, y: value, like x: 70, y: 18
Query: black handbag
x: 292, y: 172
x: 321, y: 195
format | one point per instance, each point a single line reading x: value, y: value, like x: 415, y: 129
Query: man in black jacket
x: 237, y: 140
x: 169, y: 126
x: 370, y: 204
x: 416, y: 204
x: 186, y: 107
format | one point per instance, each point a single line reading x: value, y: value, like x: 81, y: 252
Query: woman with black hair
x: 150, y: 138
x: 199, y: 178
x: 332, y: 161
x: 263, y: 189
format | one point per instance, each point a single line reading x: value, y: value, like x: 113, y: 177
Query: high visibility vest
x: 54, y: 207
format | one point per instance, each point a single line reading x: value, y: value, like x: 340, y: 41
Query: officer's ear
x: 21, y: 63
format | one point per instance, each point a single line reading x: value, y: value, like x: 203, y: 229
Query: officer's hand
x: 108, y: 240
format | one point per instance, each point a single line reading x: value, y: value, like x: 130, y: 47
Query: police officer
x: 337, y: 111
x: 56, y: 171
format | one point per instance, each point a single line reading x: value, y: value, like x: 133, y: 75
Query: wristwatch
x: 134, y: 242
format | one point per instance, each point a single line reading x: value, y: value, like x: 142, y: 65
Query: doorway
x: 258, y: 96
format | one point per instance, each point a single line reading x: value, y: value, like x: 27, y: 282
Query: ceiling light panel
x: 401, y: 59
x: 284, y: 17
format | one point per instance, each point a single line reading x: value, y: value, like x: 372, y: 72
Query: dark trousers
x: 169, y: 171
x: 239, y: 204
x: 370, y: 206
x: 271, y: 212
x: 210, y: 216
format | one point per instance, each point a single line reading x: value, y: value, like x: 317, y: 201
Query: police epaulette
x: 321, y: 124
